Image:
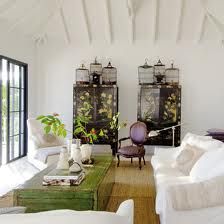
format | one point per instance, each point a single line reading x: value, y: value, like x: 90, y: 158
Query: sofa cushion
x: 187, y: 158
x: 132, y: 151
x: 208, y: 193
x: 209, y: 165
x: 158, y: 162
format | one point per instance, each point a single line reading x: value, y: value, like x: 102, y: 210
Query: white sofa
x: 43, y: 149
x: 124, y: 215
x: 168, y: 178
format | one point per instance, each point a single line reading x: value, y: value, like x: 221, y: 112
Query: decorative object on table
x: 96, y: 72
x: 63, y: 160
x: 75, y: 167
x: 109, y: 76
x: 86, y: 151
x: 76, y: 152
x: 69, y: 145
x: 145, y: 73
x: 82, y: 75
x: 137, y: 135
x: 159, y: 73
x: 159, y: 106
x: 155, y: 133
x: 172, y: 75
x: 63, y: 178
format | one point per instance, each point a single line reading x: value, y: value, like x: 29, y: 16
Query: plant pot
x: 86, y: 151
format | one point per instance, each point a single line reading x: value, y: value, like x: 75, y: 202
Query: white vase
x: 86, y: 151
x: 69, y: 145
x: 76, y: 152
x: 63, y: 160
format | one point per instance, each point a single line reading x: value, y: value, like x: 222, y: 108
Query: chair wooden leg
x: 131, y: 160
x: 144, y: 160
x: 140, y: 163
x: 118, y: 160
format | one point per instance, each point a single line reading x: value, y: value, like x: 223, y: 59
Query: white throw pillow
x: 187, y: 158
x: 210, y: 164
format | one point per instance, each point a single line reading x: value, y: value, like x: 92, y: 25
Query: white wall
x: 202, y: 78
x: 22, y: 49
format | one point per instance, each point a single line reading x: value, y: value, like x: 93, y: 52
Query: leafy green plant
x: 54, y: 124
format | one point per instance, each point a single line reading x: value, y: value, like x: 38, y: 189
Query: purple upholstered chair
x: 138, y: 135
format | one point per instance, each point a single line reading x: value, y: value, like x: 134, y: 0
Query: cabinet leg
x: 131, y: 160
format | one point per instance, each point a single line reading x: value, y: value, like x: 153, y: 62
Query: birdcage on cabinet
x: 172, y: 75
x: 82, y: 75
x: 159, y: 73
x: 96, y: 72
x: 109, y: 75
x: 145, y: 73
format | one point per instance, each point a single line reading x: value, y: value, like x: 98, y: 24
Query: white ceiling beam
x: 201, y: 27
x: 132, y: 9
x: 180, y: 20
x: 26, y: 14
x: 155, y: 27
x: 219, y: 26
x: 63, y: 20
x: 108, y: 21
x: 7, y: 6
x: 86, y: 20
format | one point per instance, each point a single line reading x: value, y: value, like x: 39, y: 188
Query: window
x: 13, y: 109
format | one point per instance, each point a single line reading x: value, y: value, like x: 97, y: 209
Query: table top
x: 94, y: 176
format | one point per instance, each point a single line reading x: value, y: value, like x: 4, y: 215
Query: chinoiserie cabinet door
x: 159, y: 106
x: 104, y: 100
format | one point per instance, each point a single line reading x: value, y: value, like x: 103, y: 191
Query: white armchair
x: 43, y: 149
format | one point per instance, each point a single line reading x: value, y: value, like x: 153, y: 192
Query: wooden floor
x: 138, y: 185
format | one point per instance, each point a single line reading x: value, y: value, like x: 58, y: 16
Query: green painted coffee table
x: 92, y: 194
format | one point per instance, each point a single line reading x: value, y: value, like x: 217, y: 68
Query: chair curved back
x: 138, y: 133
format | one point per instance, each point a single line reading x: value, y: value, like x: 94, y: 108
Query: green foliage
x: 53, y: 124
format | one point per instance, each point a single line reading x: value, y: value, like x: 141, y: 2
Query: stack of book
x: 63, y: 178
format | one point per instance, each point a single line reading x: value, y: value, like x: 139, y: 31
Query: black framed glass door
x: 13, y: 109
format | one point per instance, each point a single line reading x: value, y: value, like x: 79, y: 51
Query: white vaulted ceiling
x: 111, y: 21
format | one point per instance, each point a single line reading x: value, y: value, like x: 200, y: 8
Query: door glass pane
x: 14, y: 124
x: 14, y: 76
x: 14, y: 147
x: 14, y: 99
